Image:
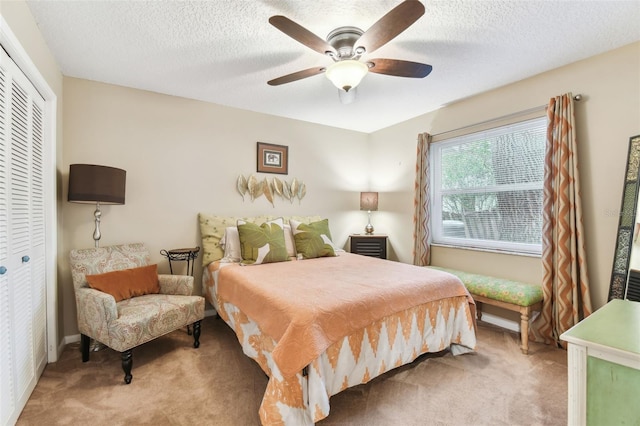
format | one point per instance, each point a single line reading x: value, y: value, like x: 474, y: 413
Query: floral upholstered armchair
x: 122, y: 302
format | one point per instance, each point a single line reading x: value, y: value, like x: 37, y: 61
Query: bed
x: 317, y: 326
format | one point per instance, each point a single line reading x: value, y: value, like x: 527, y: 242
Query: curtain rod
x: 576, y: 98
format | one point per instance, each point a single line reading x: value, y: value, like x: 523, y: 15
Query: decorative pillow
x: 127, y: 283
x: 231, y: 243
x: 263, y: 243
x: 288, y: 241
x: 212, y: 230
x: 313, y: 239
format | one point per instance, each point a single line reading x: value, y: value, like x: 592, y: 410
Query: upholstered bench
x: 512, y: 295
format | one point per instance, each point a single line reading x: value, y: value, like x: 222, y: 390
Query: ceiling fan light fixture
x: 347, y: 74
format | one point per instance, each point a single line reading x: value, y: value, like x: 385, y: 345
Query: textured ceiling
x: 225, y: 51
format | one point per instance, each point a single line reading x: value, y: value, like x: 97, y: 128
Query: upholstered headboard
x: 212, y: 229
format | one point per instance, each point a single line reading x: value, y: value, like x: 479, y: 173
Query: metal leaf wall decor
x: 242, y: 186
x: 290, y: 191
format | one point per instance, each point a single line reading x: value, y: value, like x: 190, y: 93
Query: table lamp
x: 369, y: 202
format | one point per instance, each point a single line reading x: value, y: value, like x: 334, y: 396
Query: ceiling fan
x: 346, y: 45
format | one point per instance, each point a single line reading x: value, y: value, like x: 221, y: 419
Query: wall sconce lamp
x: 89, y: 183
x: 369, y: 202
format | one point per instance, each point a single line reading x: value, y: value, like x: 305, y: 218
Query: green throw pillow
x: 313, y: 239
x: 262, y: 243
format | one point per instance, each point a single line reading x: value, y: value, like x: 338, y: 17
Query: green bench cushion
x: 515, y: 292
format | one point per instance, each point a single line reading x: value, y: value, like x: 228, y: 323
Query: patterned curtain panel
x: 422, y: 211
x: 565, y: 283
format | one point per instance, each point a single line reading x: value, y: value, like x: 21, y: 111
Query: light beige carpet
x: 175, y: 384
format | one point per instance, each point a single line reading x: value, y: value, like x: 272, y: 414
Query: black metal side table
x: 181, y: 255
x: 188, y: 255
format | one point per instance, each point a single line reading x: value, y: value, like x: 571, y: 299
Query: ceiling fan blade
x: 399, y: 68
x: 301, y: 34
x: 296, y: 76
x: 390, y: 25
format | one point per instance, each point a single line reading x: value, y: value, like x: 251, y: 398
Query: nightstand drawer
x: 369, y: 245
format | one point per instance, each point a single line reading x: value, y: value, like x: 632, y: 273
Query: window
x: 487, y: 188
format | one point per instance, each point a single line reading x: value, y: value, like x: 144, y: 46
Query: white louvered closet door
x: 22, y: 240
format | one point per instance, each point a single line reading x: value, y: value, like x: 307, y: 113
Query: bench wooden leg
x: 524, y: 328
x: 525, y: 315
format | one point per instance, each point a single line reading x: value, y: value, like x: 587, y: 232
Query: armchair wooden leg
x: 196, y: 334
x: 127, y: 363
x: 84, y: 347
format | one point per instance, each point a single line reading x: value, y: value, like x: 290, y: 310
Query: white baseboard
x: 501, y: 322
x: 71, y: 339
x: 61, y: 346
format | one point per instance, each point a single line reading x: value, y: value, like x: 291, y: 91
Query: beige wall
x: 20, y: 21
x: 183, y: 157
x: 607, y: 117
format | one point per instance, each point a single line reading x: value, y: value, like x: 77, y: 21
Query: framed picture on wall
x: 273, y: 158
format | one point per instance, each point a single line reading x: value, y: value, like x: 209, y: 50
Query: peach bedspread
x: 380, y: 346
x: 306, y: 306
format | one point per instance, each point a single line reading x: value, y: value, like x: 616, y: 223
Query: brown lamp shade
x: 89, y: 183
x: 369, y: 201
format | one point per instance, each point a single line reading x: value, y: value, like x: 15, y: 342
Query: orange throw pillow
x: 127, y: 283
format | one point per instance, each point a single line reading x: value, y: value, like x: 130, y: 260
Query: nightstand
x: 374, y: 245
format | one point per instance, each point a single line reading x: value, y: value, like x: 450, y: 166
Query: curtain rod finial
x: 577, y: 97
